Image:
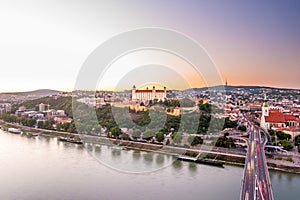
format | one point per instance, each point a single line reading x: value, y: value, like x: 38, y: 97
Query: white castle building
x: 148, y: 94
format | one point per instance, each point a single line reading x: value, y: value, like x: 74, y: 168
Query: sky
x: 44, y: 44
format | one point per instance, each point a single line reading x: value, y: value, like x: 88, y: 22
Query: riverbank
x: 208, y: 153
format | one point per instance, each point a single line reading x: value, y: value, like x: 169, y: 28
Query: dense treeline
x: 23, y: 121
x: 279, y: 137
x: 225, y: 142
x: 153, y: 122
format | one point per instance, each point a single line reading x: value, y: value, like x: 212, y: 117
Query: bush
x: 286, y: 145
x: 283, y: 136
x: 193, y: 141
x: 279, y: 157
x: 289, y: 158
x: 297, y: 140
x: 242, y: 128
x: 298, y: 149
x: 271, y: 156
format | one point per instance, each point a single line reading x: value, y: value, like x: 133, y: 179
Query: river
x: 44, y: 168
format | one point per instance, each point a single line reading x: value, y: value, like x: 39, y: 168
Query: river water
x: 44, y: 168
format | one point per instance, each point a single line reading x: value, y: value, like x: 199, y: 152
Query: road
x: 256, y: 181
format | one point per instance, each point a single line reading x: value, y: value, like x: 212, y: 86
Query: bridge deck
x: 256, y: 181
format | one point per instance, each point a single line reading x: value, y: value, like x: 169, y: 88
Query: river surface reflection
x: 44, y: 168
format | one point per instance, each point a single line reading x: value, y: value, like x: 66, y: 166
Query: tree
x: 40, y: 124
x: 225, y: 142
x: 30, y: 122
x: 124, y: 136
x: 72, y: 128
x: 148, y: 134
x: 273, y: 139
x: 136, y: 133
x: 9, y: 118
x: 205, y: 108
x: 58, y: 127
x: 177, y: 137
x: 194, y: 140
x: 48, y: 124
x: 26, y: 121
x: 187, y: 103
x: 229, y: 124
x: 115, y: 131
x: 271, y: 132
x: 160, y: 136
x: 174, y: 103
x: 65, y: 126
x: 297, y: 140
x: 286, y: 145
x: 283, y: 136
x: 242, y: 128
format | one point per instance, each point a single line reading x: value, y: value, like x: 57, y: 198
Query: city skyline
x: 149, y: 86
x: 250, y: 43
x: 131, y: 99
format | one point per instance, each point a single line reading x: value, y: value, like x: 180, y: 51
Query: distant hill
x: 230, y: 87
x: 41, y: 92
x: 257, y: 87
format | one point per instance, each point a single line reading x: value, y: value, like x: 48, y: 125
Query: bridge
x: 256, y: 183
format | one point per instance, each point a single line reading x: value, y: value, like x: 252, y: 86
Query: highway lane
x: 256, y: 182
x: 263, y: 180
x: 248, y: 184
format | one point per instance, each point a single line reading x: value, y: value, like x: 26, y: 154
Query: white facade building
x: 42, y: 107
x: 148, y: 94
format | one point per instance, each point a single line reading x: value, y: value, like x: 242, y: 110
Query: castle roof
x: 148, y: 91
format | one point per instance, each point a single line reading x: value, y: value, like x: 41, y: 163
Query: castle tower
x: 133, y: 92
x: 153, y: 93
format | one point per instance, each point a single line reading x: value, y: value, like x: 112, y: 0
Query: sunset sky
x: 43, y: 44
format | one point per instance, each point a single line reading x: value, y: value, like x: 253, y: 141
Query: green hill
x: 60, y: 103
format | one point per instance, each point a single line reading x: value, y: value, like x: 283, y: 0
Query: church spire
x: 265, y: 103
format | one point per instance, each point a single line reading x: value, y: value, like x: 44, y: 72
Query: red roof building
x: 275, y: 117
x: 279, y: 120
x: 290, y: 120
x: 290, y: 117
x: 62, y: 120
